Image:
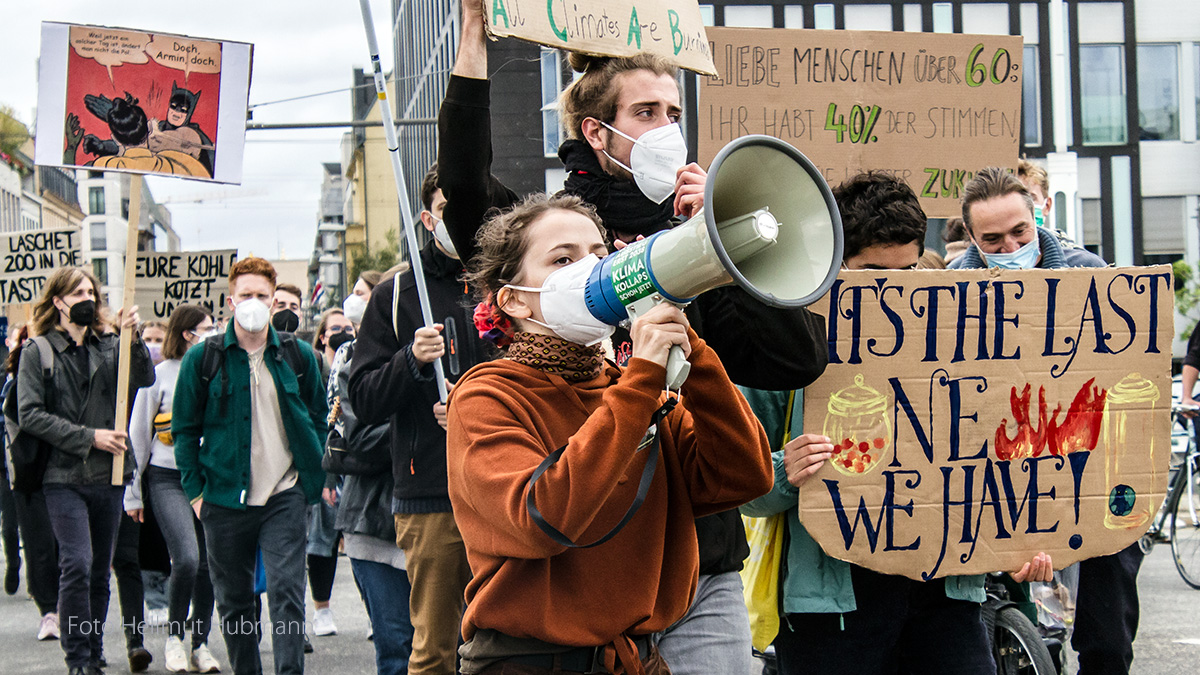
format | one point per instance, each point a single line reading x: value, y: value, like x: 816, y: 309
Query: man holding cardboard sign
x: 627, y: 157
x: 1000, y: 216
x: 829, y: 605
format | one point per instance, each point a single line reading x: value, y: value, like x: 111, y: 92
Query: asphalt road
x: 1168, y: 639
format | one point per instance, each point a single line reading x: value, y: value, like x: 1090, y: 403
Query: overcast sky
x: 300, y: 47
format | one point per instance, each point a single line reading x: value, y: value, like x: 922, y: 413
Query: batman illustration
x: 177, y: 132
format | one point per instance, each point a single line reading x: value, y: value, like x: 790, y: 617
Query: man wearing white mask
x: 392, y: 381
x: 257, y: 400
x: 626, y: 156
x: 998, y: 212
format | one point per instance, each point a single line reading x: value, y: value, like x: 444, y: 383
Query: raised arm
x: 465, y: 139
x: 722, y: 447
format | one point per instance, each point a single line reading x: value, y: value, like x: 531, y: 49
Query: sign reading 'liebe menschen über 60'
x: 981, y: 416
x: 930, y: 108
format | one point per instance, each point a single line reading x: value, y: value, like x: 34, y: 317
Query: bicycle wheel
x: 1185, y: 528
x: 1017, y: 646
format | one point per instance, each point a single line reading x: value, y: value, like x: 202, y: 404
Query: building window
x: 1196, y: 88
x: 100, y: 269
x: 943, y: 17
x: 1031, y: 97
x: 1089, y: 214
x: 708, y: 15
x: 1102, y: 85
x: 99, y: 236
x: 551, y: 88
x: 96, y: 200
x: 823, y: 17
x: 1163, y: 219
x: 1158, y: 92
x: 750, y: 16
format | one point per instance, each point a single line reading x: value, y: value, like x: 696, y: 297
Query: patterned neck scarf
x: 571, y: 361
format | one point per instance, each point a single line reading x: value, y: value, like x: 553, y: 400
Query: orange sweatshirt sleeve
x: 499, y: 433
x: 722, y: 447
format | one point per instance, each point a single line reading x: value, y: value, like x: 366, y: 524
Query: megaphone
x: 769, y: 224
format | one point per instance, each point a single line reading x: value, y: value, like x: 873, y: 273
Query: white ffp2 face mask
x: 443, y: 237
x: 354, y: 307
x: 563, y: 304
x: 252, y: 314
x: 655, y: 159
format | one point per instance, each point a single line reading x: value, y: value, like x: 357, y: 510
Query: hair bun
x: 581, y: 62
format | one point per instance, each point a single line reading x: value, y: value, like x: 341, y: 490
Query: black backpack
x: 213, y: 362
x: 26, y: 454
x: 359, y: 449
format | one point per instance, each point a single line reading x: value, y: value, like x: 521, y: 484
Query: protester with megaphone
x: 581, y: 554
x: 828, y: 605
x: 620, y: 113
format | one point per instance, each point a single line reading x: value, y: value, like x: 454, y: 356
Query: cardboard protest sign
x: 931, y: 108
x: 28, y: 258
x: 154, y: 103
x: 165, y: 281
x: 670, y: 28
x: 981, y: 416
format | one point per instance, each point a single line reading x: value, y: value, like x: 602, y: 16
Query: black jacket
x: 386, y: 383
x: 761, y: 346
x: 77, y: 409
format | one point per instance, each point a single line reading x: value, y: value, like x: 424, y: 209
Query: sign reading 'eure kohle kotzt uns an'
x: 981, y: 416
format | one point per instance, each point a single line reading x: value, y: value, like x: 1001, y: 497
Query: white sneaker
x: 176, y: 656
x: 48, y: 628
x: 323, y: 623
x: 203, y: 661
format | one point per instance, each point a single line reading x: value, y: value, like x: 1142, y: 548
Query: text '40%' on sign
x: 981, y: 416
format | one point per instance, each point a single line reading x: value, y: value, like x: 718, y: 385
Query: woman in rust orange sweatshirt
x: 540, y: 603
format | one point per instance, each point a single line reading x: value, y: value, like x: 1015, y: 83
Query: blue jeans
x: 277, y: 528
x: 84, y: 518
x: 714, y: 635
x: 190, y: 583
x: 385, y: 592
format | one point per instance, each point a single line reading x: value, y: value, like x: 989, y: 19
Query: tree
x: 1187, y: 295
x: 13, y: 133
x: 380, y: 260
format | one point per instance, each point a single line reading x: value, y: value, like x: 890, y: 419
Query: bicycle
x: 1178, y: 521
x: 1017, y: 646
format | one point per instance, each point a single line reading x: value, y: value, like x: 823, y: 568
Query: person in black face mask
x: 72, y: 411
x: 334, y: 331
x: 285, y: 309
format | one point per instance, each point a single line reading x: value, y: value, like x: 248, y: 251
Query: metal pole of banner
x: 389, y: 130
x: 121, y: 420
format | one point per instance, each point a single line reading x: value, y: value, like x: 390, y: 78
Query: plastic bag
x: 760, y: 577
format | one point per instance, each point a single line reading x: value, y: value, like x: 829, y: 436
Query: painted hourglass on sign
x: 858, y: 425
x: 1128, y: 419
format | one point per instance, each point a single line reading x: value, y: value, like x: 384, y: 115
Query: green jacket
x: 813, y: 582
x: 219, y: 469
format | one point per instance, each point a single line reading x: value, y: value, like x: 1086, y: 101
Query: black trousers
x: 900, y: 626
x: 8, y: 525
x: 41, y: 550
x: 130, y: 590
x: 1106, y: 612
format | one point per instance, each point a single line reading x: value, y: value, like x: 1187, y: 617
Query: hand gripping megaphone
x: 769, y: 225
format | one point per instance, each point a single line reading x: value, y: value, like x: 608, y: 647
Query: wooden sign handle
x: 121, y: 420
